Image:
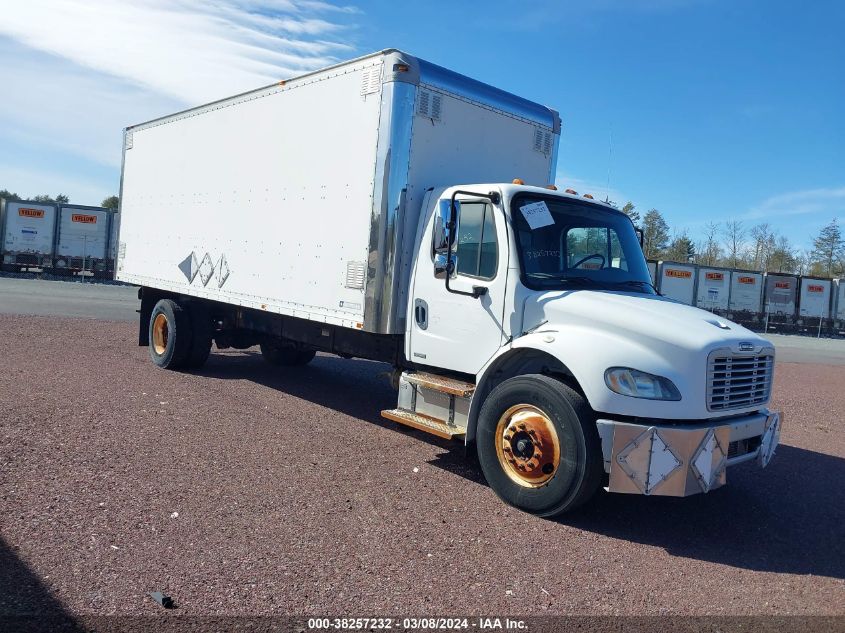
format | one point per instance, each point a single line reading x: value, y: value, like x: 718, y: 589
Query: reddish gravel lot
x: 294, y: 497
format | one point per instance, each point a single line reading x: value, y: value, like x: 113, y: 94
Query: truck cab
x: 536, y: 334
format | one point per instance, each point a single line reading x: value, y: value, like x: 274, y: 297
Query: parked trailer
x: 713, y: 287
x: 746, y: 297
x: 83, y: 240
x: 839, y: 305
x: 814, y: 297
x: 652, y: 270
x: 780, y: 301
x: 334, y: 212
x: 28, y: 229
x: 677, y: 281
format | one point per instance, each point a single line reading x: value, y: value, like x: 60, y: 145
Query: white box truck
x: 374, y: 209
x: 83, y: 239
x: 27, y: 230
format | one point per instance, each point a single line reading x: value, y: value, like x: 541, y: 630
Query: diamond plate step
x: 441, y: 383
x: 424, y: 423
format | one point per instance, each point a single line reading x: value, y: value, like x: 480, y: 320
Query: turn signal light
x: 552, y: 187
x: 589, y: 195
x: 572, y: 191
x: 401, y: 68
x: 518, y: 181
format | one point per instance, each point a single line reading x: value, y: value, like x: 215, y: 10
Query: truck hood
x: 639, y: 316
x: 589, y: 331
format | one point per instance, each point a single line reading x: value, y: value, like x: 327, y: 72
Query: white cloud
x: 828, y: 200
x: 75, y: 72
x: 598, y: 190
x: 191, y: 50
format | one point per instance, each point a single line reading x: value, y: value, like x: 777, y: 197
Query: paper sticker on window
x: 537, y: 215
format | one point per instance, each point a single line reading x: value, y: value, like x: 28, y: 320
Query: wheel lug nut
x: 521, y: 427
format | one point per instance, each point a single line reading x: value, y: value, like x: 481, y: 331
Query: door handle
x: 421, y: 313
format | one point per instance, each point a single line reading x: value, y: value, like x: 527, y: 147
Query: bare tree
x: 709, y: 250
x: 763, y: 243
x: 734, y: 235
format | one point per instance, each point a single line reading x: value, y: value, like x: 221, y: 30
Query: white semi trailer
x: 376, y: 209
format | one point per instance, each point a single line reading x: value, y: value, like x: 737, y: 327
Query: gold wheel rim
x: 160, y: 333
x: 527, y: 445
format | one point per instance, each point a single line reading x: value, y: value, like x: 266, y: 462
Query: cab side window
x: 477, y: 250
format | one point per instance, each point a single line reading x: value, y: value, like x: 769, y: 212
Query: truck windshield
x: 566, y: 243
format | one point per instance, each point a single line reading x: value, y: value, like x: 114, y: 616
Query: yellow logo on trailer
x: 30, y: 213
x: 680, y: 274
x: 85, y: 219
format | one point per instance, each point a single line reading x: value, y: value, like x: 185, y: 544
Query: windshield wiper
x: 584, y: 281
x: 640, y: 283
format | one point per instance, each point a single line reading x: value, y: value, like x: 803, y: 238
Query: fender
x: 579, y: 355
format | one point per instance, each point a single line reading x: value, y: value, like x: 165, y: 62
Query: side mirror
x: 443, y: 226
x: 442, y: 266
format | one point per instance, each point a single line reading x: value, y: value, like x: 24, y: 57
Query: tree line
x: 733, y: 244
x: 112, y: 202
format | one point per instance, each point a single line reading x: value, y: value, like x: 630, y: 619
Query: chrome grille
x: 734, y: 381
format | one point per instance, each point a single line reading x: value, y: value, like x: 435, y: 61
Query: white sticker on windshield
x: 537, y: 215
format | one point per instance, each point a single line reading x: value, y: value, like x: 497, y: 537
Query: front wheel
x: 538, y: 445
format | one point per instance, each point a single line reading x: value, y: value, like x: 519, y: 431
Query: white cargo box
x: 839, y: 299
x: 780, y: 294
x: 677, y: 281
x: 83, y: 233
x: 27, y: 232
x: 814, y: 298
x: 713, y: 289
x: 302, y: 198
x: 746, y: 291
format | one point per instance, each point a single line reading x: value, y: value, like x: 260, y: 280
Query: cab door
x: 456, y: 331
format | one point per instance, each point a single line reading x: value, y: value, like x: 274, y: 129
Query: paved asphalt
x: 242, y: 489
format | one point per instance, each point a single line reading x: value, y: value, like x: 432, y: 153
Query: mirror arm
x: 477, y: 291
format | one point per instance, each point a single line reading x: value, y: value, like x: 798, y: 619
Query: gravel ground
x: 242, y: 489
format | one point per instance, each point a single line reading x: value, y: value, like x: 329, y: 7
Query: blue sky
x: 718, y: 109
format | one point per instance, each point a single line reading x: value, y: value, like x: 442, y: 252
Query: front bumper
x: 682, y: 460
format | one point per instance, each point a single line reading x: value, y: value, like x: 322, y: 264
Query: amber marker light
x: 518, y: 181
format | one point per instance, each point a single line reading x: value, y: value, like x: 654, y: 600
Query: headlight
x: 639, y: 384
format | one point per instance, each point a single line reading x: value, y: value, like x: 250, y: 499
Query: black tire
x: 580, y: 470
x: 202, y: 332
x: 172, y: 351
x: 281, y: 356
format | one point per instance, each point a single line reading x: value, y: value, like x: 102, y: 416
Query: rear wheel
x: 281, y: 356
x: 170, y: 334
x: 538, y: 445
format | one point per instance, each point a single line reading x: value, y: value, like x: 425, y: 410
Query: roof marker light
x: 589, y: 196
x: 572, y: 191
x: 518, y: 181
x: 552, y: 187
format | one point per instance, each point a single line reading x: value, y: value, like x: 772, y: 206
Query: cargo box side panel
x: 83, y: 232
x: 28, y: 229
x: 264, y: 200
x: 459, y: 141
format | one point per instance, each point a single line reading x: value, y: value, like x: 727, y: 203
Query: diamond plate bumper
x: 682, y: 460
